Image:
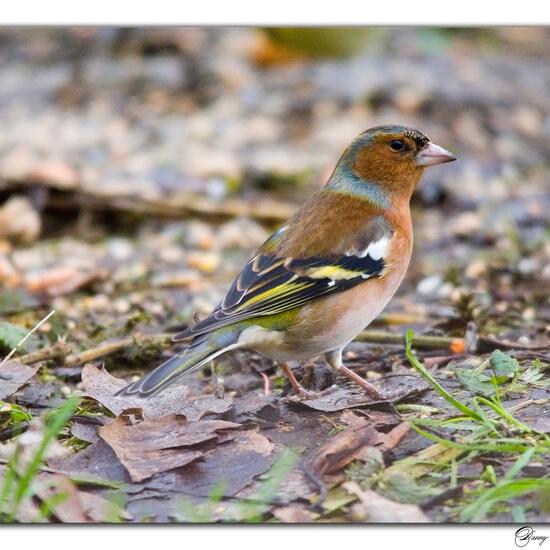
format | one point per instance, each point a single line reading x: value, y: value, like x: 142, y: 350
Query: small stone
x: 19, y: 220
x: 475, y: 269
x: 122, y: 306
x: 529, y: 314
x: 207, y: 262
x: 466, y: 224
x: 429, y: 285
x: 526, y: 266
x: 56, y: 173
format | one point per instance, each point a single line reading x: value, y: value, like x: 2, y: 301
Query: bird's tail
x: 194, y: 357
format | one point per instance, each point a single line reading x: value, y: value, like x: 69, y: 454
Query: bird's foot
x: 320, y: 384
x: 296, y: 386
x: 371, y: 389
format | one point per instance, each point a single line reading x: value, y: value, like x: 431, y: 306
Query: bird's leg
x: 334, y: 359
x: 214, y: 381
x: 296, y: 386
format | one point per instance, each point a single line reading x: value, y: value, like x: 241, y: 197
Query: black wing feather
x: 286, y: 284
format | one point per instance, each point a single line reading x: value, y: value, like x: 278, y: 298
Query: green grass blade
x: 421, y: 369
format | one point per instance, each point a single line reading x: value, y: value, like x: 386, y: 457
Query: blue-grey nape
x: 345, y: 181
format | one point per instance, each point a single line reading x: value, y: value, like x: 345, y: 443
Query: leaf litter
x: 476, y: 293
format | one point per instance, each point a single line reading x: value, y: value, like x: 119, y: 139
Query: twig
x: 452, y: 493
x: 26, y: 337
x: 12, y: 431
x: 57, y: 351
x: 117, y: 345
x: 188, y: 204
x: 425, y: 342
x: 400, y: 318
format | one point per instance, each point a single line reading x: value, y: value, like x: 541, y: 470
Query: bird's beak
x: 432, y: 154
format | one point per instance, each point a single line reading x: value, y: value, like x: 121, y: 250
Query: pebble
x: 207, y: 262
x: 429, y: 285
x: 475, y: 269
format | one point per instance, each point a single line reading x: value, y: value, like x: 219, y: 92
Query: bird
x: 325, y: 274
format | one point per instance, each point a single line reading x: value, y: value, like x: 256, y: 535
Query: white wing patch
x: 378, y: 249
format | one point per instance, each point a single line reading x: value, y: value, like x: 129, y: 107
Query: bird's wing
x: 270, y: 284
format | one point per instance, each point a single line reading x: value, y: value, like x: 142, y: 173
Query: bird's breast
x: 332, y: 322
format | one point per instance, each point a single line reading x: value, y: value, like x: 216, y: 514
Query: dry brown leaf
x: 375, y: 508
x: 206, y: 404
x: 85, y: 431
x: 27, y: 445
x: 96, y: 461
x: 341, y: 449
x: 13, y: 375
x: 348, y: 445
x: 101, y: 386
x: 100, y: 510
x: 68, y: 509
x: 235, y: 464
x: 155, y: 446
x: 295, y: 513
x: 62, y: 280
x: 340, y: 398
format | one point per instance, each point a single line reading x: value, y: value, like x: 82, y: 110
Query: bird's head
x: 390, y: 157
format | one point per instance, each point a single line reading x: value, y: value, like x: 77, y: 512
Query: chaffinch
x: 326, y: 273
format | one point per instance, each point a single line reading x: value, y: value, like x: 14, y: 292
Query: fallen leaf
x: 96, y: 462
x: 101, y: 510
x: 375, y: 508
x: 61, y: 280
x: 85, y: 431
x: 63, y: 493
x: 206, y: 404
x: 155, y: 446
x: 295, y: 513
x: 341, y: 449
x: 348, y: 445
x: 101, y: 386
x: 503, y: 364
x: 257, y: 408
x: 538, y: 423
x: 474, y: 381
x: 234, y: 464
x: 339, y: 398
x: 13, y: 375
x: 27, y: 445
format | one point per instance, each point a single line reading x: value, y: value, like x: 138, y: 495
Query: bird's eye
x: 397, y: 145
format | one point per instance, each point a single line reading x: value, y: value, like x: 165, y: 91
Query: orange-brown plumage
x: 328, y: 272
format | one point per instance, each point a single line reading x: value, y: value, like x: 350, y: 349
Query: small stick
x: 425, y: 342
x: 112, y: 347
x: 452, y: 493
x: 398, y: 318
x: 58, y: 351
x: 26, y: 337
x: 184, y: 205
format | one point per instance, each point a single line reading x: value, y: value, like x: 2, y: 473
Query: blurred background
x: 140, y: 162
